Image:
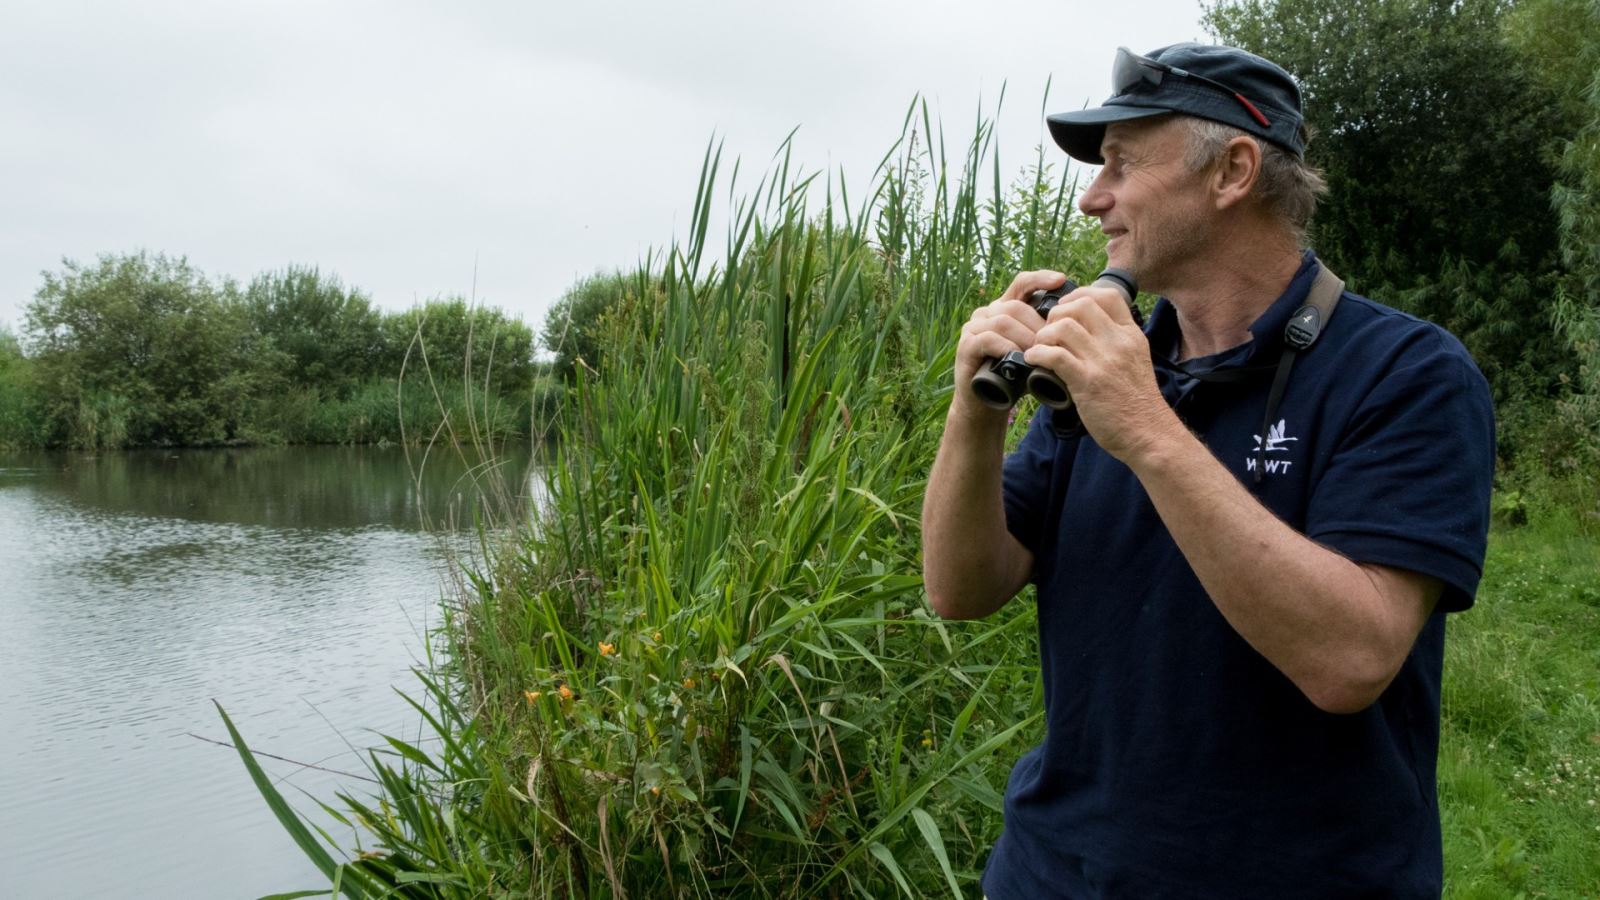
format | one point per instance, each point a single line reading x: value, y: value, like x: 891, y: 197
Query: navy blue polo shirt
x: 1179, y: 762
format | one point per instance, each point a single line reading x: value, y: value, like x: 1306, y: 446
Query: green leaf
x: 882, y: 854
x: 413, y: 754
x: 290, y: 820
x: 431, y: 878
x: 930, y: 833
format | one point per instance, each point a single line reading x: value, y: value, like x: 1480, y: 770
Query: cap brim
x: 1080, y: 132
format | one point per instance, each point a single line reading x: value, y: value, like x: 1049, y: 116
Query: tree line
x: 144, y: 350
x: 1461, y: 144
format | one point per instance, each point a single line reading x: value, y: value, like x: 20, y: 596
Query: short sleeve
x: 1408, y: 483
x: 1025, y: 481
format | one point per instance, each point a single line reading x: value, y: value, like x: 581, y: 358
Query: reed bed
x: 707, y: 669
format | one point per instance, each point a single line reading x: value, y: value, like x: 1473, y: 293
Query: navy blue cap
x: 1223, y: 84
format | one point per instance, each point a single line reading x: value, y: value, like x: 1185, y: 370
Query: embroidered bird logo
x: 1275, y: 438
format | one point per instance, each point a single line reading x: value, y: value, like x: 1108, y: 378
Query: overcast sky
x: 400, y: 144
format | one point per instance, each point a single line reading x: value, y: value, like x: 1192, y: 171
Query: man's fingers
x: 1023, y: 286
x: 1017, y: 332
x: 1066, y: 332
x: 1020, y: 310
x: 1108, y: 305
x: 993, y: 344
x: 1115, y: 304
x: 1054, y: 357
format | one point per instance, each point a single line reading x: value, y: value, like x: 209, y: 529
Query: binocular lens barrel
x: 1001, y: 382
x: 1050, y: 390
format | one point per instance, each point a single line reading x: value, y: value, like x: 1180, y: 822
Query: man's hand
x: 1093, y: 344
x: 1007, y: 324
x: 971, y: 563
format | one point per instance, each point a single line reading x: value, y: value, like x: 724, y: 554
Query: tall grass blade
x: 930, y: 834
x: 289, y: 819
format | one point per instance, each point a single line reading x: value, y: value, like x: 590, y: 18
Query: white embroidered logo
x: 1277, y: 439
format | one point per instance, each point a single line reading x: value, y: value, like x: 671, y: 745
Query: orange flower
x: 566, y: 692
x: 607, y: 649
x: 532, y: 696
x: 689, y: 683
x: 655, y: 791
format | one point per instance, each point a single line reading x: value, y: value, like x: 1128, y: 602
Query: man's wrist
x: 966, y: 410
x: 1160, y: 444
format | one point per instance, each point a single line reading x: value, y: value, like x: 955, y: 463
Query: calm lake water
x: 292, y: 585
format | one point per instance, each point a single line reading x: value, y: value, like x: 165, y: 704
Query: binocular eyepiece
x: 1000, y: 382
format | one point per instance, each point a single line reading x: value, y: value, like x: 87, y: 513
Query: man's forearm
x: 1337, y: 629
x: 971, y: 564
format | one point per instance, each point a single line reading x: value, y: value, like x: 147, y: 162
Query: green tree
x: 1435, y: 139
x: 141, y: 349
x: 21, y: 412
x: 1560, y: 39
x: 451, y: 340
x: 573, y: 326
x: 330, y: 334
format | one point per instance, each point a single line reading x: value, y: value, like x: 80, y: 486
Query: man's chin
x: 1117, y: 256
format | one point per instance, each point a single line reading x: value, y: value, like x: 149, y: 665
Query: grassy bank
x: 391, y: 410
x: 377, y: 411
x: 709, y: 670
x: 1519, y: 767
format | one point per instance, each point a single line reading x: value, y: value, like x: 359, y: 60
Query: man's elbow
x: 946, y: 606
x: 1348, y: 691
x: 951, y: 598
x: 971, y: 585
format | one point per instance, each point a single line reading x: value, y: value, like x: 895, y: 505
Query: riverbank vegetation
x: 143, y: 350
x: 708, y: 668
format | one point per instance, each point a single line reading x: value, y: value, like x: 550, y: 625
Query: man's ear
x: 1234, y: 174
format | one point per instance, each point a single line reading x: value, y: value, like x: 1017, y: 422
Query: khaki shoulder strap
x: 1309, y: 320
x: 1301, y: 332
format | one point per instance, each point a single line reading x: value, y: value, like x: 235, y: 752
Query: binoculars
x: 1001, y: 382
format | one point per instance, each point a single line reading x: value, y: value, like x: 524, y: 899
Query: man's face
x: 1150, y: 206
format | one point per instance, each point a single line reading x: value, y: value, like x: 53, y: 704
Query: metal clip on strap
x: 1304, y: 327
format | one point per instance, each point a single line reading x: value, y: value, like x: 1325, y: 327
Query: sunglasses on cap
x: 1132, y: 70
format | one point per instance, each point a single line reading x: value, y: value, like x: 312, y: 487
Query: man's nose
x: 1095, y: 200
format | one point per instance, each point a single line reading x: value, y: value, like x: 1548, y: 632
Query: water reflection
x: 293, y: 585
x: 318, y: 487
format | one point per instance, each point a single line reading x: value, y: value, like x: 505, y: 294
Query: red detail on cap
x: 1253, y: 111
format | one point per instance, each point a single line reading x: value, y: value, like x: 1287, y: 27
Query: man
x: 1245, y: 552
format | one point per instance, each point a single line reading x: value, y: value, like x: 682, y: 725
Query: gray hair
x: 1287, y: 184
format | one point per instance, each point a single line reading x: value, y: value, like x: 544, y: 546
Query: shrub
x: 143, y: 349
x: 572, y: 328
x: 330, y: 337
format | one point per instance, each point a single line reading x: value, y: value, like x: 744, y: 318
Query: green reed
x: 708, y: 668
